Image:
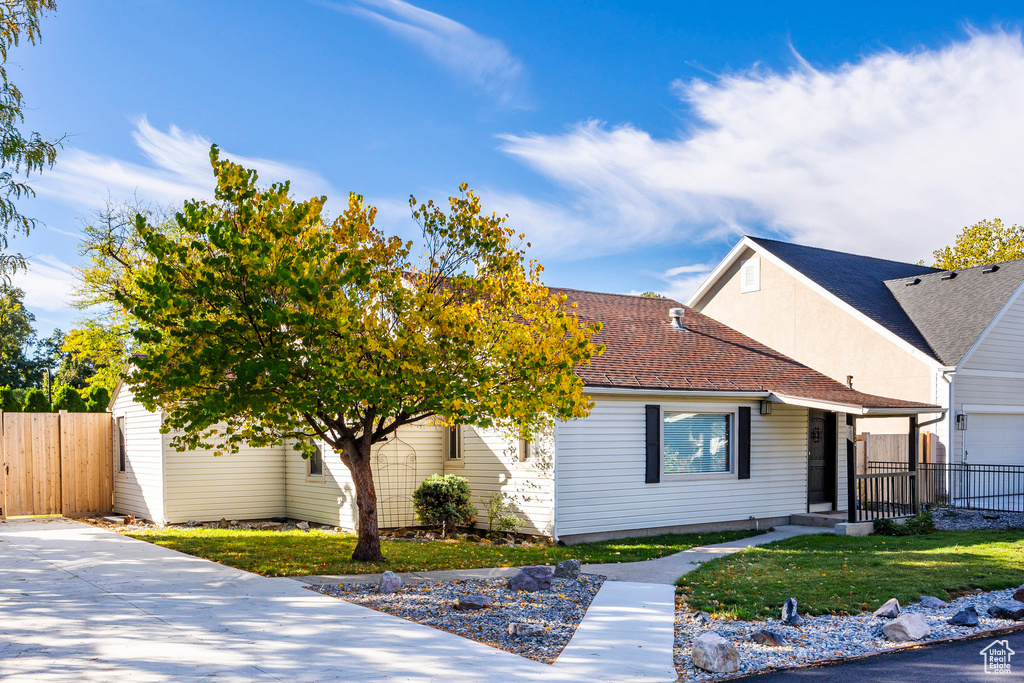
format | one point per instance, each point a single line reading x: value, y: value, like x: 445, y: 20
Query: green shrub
x: 922, y: 523
x: 8, y: 401
x: 444, y: 501
x: 501, y: 514
x: 36, y: 402
x: 67, y: 398
x: 97, y: 399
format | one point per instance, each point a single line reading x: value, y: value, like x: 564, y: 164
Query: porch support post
x: 851, y: 468
x: 912, y: 448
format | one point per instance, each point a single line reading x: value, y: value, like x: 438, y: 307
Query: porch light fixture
x: 961, y: 422
x: 766, y: 407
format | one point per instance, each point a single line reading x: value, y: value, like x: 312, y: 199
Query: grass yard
x: 303, y: 553
x: 847, y: 575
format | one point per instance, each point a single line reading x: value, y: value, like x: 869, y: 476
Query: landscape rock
x: 223, y: 523
x: 790, y: 616
x: 269, y: 526
x: 129, y: 519
x: 536, y: 578
x: 567, y: 569
x: 389, y: 582
x: 1018, y: 595
x: 907, y: 628
x: 711, y: 652
x: 965, y: 617
x: 701, y: 618
x: 473, y: 602
x: 1007, y: 609
x: 520, y: 630
x: 929, y: 602
x: 303, y: 525
x: 890, y: 610
x: 769, y: 638
x: 989, y: 515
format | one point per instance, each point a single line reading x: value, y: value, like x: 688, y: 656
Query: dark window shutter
x: 653, y: 445
x: 743, y: 445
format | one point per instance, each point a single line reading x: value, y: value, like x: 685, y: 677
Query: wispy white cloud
x: 890, y: 156
x: 178, y: 169
x: 482, y: 61
x: 47, y: 284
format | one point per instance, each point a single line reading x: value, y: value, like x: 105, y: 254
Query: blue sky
x: 632, y: 142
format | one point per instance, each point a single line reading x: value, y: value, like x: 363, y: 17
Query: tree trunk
x: 368, y: 544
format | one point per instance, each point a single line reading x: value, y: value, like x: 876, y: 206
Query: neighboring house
x: 955, y: 339
x: 694, y: 426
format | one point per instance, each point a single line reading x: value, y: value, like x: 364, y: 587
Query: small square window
x: 525, y: 450
x: 315, y: 462
x: 455, y: 443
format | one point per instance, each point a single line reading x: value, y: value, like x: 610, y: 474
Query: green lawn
x: 301, y: 553
x: 847, y: 575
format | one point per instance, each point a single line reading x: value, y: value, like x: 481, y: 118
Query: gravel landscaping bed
x: 432, y: 603
x: 824, y: 637
x: 970, y: 520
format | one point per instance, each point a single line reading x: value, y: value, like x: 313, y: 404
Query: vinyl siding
x: 601, y: 471
x: 202, y: 486
x: 400, y: 465
x: 491, y: 464
x: 139, y: 490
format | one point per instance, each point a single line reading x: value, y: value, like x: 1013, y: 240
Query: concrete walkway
x: 667, y: 570
x: 79, y: 603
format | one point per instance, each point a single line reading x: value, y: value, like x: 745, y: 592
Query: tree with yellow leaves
x: 258, y: 320
x: 982, y: 243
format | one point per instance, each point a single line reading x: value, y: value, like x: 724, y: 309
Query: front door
x: 821, y: 457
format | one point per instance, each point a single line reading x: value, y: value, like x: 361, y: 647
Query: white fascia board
x: 999, y: 374
x: 715, y: 274
x: 992, y: 323
x: 746, y: 242
x: 641, y: 391
x: 900, y: 412
x: 850, y: 408
x: 993, y: 409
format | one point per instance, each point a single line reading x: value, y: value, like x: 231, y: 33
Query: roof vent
x: 676, y: 314
x: 990, y: 269
x: 949, y: 276
x: 915, y: 281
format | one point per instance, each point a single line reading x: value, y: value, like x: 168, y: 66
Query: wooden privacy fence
x: 56, y: 464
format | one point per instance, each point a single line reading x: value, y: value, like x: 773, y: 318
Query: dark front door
x: 821, y: 457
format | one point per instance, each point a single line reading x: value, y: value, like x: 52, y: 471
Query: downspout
x: 554, y: 488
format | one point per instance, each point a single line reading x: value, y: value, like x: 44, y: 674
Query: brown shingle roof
x: 645, y: 351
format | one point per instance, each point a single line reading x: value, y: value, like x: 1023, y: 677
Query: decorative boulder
x: 1018, y: 595
x: 473, y: 602
x: 907, y: 628
x: 769, y: 638
x: 567, y: 569
x: 929, y: 602
x: 700, y: 618
x: 129, y: 519
x: 389, y: 582
x: 790, y: 616
x: 270, y: 526
x: 890, y: 610
x: 520, y: 630
x: 1007, y: 609
x: 303, y: 525
x: 965, y: 617
x: 223, y: 523
x: 536, y: 578
x: 711, y: 652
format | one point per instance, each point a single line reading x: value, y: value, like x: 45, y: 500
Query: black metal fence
x: 996, y: 488
x: 885, y: 494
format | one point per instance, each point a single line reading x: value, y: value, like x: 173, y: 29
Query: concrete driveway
x: 79, y: 603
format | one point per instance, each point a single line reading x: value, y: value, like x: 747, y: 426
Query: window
x: 315, y: 462
x: 455, y: 443
x: 525, y: 450
x: 121, y: 458
x: 696, y: 443
x: 750, y: 275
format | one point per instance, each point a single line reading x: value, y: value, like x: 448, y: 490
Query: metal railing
x: 996, y: 488
x: 884, y: 495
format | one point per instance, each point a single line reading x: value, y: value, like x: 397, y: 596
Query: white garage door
x: 995, y: 439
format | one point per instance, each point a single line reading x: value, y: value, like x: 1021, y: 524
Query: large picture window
x: 696, y: 443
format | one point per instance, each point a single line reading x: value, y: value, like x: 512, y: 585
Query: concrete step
x: 823, y: 519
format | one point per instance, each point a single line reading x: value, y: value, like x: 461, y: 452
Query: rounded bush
x: 8, y: 401
x: 67, y: 398
x: 35, y: 402
x: 445, y: 501
x: 97, y: 399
